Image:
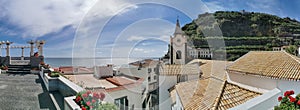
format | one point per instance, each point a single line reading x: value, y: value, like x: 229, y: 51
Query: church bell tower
x: 178, y: 46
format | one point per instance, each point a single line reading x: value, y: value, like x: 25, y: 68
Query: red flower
x: 95, y: 94
x: 279, y: 98
x: 88, y: 92
x: 88, y: 103
x: 93, y: 101
x: 291, y: 92
x: 56, y: 69
x: 102, y: 96
x: 292, y: 99
x: 78, y: 98
x: 298, y: 102
x: 286, y: 93
x: 85, y: 95
x: 83, y: 108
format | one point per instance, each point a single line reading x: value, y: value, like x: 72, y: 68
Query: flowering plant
x: 54, y: 73
x: 92, y: 101
x: 43, y: 64
x: 288, y: 102
x: 4, y: 67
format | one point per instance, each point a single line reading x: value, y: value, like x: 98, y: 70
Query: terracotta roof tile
x: 212, y: 93
x: 180, y: 69
x: 233, y: 95
x: 273, y: 64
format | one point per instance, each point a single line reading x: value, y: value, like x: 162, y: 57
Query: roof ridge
x: 215, y: 105
x: 297, y: 60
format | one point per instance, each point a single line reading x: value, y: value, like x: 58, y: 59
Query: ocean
x: 89, y: 62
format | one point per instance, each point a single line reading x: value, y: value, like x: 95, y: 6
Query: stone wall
x: 4, y: 60
x: 35, y: 61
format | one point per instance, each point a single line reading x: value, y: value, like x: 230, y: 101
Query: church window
x: 178, y: 55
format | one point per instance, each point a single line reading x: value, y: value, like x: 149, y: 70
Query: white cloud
x: 165, y: 38
x: 214, y: 6
x: 266, y: 6
x: 139, y: 49
x: 135, y: 38
x: 40, y: 17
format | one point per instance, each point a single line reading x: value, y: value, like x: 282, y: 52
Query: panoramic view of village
x: 149, y: 55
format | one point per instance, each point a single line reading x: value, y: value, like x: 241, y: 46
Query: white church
x: 181, y: 51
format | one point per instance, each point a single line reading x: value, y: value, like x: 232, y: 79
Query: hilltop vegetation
x: 242, y: 31
x: 237, y: 24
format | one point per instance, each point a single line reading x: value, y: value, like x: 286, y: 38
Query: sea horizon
x: 90, y: 62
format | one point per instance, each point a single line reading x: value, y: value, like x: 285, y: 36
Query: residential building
x: 253, y: 82
x: 148, y: 70
x: 169, y: 76
x: 204, y: 53
x: 276, y: 48
x: 123, y: 90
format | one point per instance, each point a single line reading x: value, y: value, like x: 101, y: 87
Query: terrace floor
x: 23, y: 91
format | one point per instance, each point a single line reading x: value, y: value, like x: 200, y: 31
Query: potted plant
x: 288, y: 101
x: 54, y: 73
x: 4, y: 67
x: 93, y: 101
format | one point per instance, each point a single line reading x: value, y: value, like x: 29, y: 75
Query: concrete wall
x: 264, y: 82
x: 165, y: 83
x: 134, y: 96
x: 142, y: 73
x: 299, y: 51
x: 193, y: 77
x: 4, y: 61
x: 35, y: 61
x: 178, y: 105
x: 61, y: 84
x: 254, y: 81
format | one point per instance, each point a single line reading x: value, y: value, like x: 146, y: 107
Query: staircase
x: 19, y: 69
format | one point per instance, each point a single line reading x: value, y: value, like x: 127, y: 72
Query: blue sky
x: 114, y: 28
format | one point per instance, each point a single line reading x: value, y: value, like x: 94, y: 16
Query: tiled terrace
x: 23, y: 91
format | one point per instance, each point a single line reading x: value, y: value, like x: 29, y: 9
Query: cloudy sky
x: 117, y: 28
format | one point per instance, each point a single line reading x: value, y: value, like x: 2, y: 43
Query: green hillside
x: 242, y: 31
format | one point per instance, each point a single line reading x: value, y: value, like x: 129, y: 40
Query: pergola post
x: 22, y: 57
x: 8, y: 48
x: 41, y: 47
x: 1, y: 48
x: 31, y: 47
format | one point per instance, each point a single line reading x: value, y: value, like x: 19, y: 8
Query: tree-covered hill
x: 237, y: 24
x: 242, y: 31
